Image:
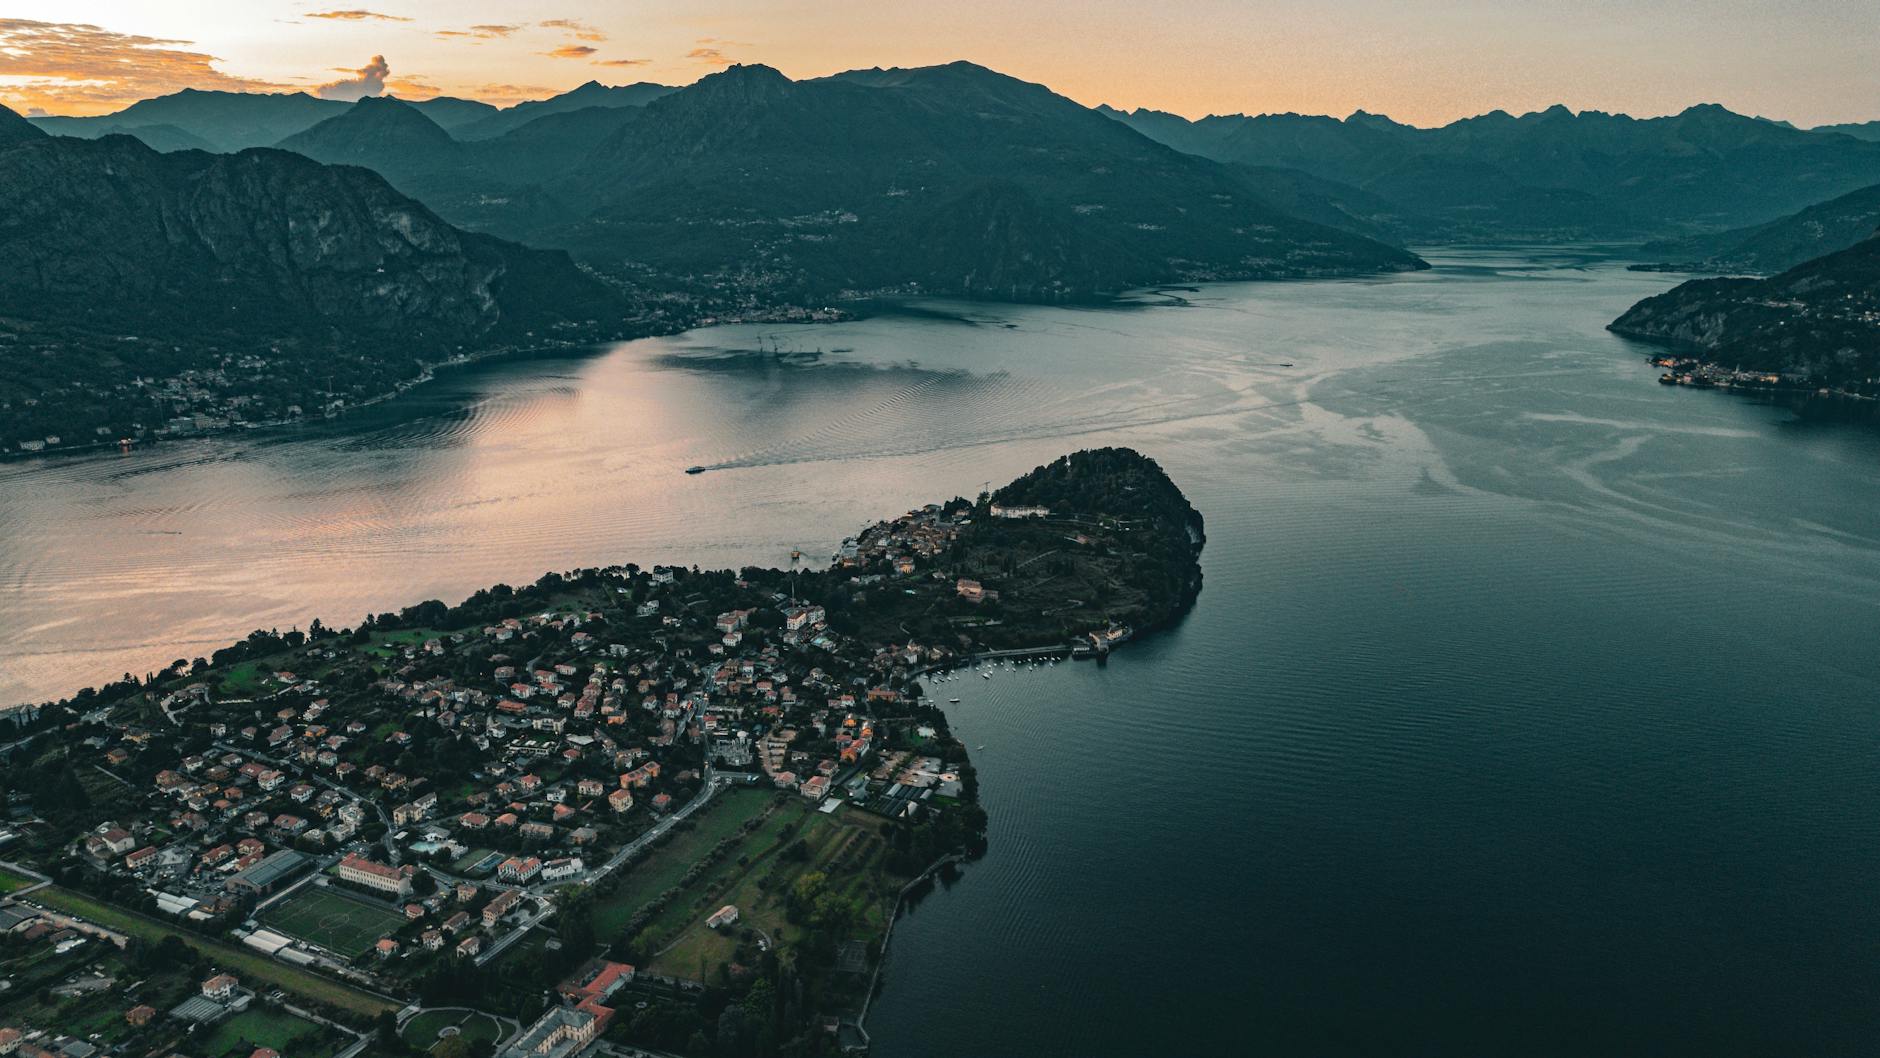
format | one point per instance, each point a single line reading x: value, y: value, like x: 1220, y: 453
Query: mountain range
x: 1553, y: 174
x: 1779, y: 245
x: 261, y: 242
x: 232, y: 121
x: 950, y: 179
x: 237, y: 218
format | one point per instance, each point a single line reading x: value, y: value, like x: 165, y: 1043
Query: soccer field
x: 333, y: 920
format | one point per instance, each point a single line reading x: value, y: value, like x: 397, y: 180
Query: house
x: 386, y: 947
x: 221, y: 986
x: 469, y: 946
x: 376, y: 876
x: 560, y: 1033
x: 557, y: 870
x: 1000, y: 510
x: 140, y: 1015
x: 110, y: 843
x: 724, y: 916
x: 598, y: 980
x: 970, y: 590
x: 504, y: 903
x: 519, y: 869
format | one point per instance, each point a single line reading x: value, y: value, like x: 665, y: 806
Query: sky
x: 1421, y: 61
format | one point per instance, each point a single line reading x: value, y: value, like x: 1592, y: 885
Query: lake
x: 1529, y: 707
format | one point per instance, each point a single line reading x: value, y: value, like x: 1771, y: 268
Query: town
x: 619, y: 808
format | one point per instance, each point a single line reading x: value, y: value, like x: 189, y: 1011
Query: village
x: 686, y: 786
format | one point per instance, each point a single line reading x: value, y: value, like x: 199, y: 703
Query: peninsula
x: 665, y: 808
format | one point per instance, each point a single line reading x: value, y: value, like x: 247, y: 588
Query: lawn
x: 11, y: 882
x: 388, y: 644
x: 661, y: 868
x: 244, y: 680
x: 335, y: 921
x: 422, y: 1030
x: 242, y: 962
x: 260, y: 1027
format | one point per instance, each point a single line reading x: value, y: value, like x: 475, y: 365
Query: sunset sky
x: 1420, y: 61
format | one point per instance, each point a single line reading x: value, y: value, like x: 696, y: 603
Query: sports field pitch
x: 336, y: 921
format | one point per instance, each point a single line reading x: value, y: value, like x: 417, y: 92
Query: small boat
x: 953, y: 701
x: 695, y: 470
x: 980, y: 747
x: 987, y: 675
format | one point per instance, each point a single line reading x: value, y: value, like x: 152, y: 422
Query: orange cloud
x: 711, y: 51
x: 581, y: 30
x: 486, y: 31
x: 356, y: 15
x: 412, y: 88
x: 77, y: 68
x: 571, y: 51
x: 620, y: 62
x: 368, y: 80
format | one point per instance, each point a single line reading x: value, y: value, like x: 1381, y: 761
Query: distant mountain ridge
x: 1552, y: 173
x: 589, y: 95
x: 232, y: 121
x: 1779, y: 245
x: 1860, y: 130
x: 387, y: 135
x: 949, y: 179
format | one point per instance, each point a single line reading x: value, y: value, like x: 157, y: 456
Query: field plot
x: 662, y: 868
x: 840, y: 855
x: 336, y: 921
x: 240, y: 1035
x: 242, y: 961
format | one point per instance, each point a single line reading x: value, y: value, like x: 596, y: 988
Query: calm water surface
x: 1529, y: 708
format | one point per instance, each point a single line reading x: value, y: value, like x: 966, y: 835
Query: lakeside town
x: 619, y: 809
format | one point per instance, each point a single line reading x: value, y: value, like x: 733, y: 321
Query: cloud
x: 77, y: 68
x: 581, y: 30
x: 412, y: 88
x: 368, y: 80
x: 620, y: 62
x: 711, y: 51
x: 486, y: 32
x: 571, y: 51
x: 356, y: 15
